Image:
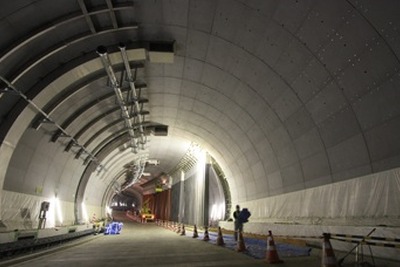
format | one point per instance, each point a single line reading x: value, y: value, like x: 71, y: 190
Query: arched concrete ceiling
x: 285, y: 95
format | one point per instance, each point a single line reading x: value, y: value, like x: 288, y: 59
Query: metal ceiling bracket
x: 45, y: 116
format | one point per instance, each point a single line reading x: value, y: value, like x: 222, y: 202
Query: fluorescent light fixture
x: 217, y: 211
x: 51, y: 214
x: 108, y: 210
x: 85, y: 216
x: 58, y: 209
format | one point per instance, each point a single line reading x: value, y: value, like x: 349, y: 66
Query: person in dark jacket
x: 238, y: 222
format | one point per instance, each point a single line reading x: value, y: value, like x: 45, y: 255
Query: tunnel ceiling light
x: 153, y: 162
x: 188, y: 160
x: 50, y: 120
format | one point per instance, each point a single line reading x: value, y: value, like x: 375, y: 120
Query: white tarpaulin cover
x: 352, y: 207
x: 21, y: 211
x: 370, y: 200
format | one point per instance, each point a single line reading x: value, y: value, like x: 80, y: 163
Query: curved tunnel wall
x: 286, y: 96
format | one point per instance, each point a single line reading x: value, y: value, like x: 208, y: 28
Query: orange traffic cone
x: 328, y: 256
x: 178, y: 229
x: 240, y: 246
x: 94, y: 218
x: 206, y: 236
x: 183, y: 232
x: 195, y: 234
x: 220, y: 239
x: 272, y: 254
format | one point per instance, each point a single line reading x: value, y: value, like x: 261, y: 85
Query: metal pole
x: 102, y: 52
x: 133, y: 90
x: 49, y: 119
x: 348, y: 253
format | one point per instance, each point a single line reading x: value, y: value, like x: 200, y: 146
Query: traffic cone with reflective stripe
x: 272, y: 254
x: 220, y: 238
x: 183, y: 232
x: 240, y: 246
x: 206, y: 237
x: 94, y: 218
x: 178, y: 229
x: 328, y: 256
x: 195, y: 234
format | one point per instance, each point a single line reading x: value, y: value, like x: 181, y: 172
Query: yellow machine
x: 145, y: 213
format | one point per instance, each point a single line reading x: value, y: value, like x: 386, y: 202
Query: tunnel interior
x: 288, y: 108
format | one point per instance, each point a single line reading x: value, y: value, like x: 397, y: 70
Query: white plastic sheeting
x: 370, y: 200
x: 21, y: 211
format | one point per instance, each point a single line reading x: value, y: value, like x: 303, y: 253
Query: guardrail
x: 30, y: 243
x: 390, y: 242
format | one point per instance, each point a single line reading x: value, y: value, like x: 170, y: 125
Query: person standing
x: 238, y: 222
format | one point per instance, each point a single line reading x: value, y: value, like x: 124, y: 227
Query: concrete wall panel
x: 292, y: 178
x: 348, y: 155
x: 309, y: 144
x: 339, y: 127
x: 380, y: 104
x: 383, y: 141
x: 299, y: 123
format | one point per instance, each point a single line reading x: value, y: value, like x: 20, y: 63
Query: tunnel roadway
x: 146, y: 245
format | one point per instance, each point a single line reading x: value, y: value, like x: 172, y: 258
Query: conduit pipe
x: 133, y: 90
x: 102, y: 52
x: 50, y: 120
x: 136, y: 176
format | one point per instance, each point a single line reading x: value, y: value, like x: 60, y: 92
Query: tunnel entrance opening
x: 123, y: 202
